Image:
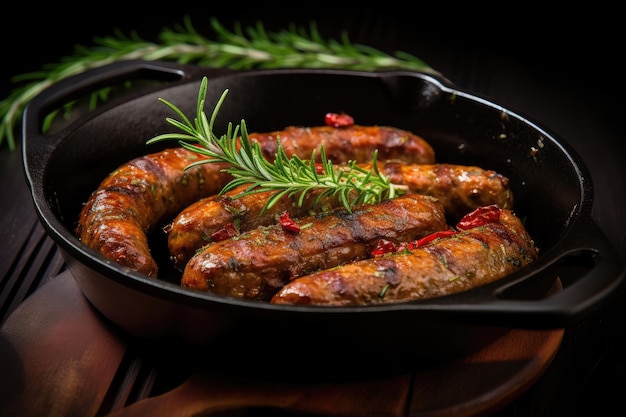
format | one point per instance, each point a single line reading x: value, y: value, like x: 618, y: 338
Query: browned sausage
x: 354, y: 142
x: 149, y: 189
x: 198, y: 224
x: 460, y: 188
x: 258, y: 263
x: 136, y: 196
x: 466, y: 260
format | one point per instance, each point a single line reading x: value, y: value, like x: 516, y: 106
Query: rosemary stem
x: 292, y: 48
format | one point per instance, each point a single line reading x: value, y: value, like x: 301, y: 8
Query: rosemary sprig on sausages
x: 287, y: 176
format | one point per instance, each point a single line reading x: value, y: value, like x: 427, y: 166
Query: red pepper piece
x: 433, y: 236
x: 479, y: 217
x: 319, y: 168
x: 338, y: 119
x: 226, y: 232
x: 382, y: 247
x: 287, y: 224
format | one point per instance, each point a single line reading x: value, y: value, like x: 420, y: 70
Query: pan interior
x: 462, y: 128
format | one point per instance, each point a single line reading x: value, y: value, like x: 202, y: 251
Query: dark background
x: 558, y: 67
x: 568, y: 59
x: 555, y: 44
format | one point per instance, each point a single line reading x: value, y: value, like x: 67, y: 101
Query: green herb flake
x: 382, y: 292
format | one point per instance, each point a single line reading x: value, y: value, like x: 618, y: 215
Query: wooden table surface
x: 67, y: 360
x: 551, y: 76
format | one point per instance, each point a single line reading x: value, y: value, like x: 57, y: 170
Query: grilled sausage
x: 258, y: 263
x: 136, y: 196
x: 198, y: 224
x: 466, y: 260
x: 354, y: 142
x: 460, y: 188
x: 147, y: 190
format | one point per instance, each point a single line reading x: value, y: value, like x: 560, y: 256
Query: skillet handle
x: 91, y: 81
x: 38, y: 145
x: 604, y: 275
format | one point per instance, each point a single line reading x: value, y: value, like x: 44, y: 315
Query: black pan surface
x: 552, y: 187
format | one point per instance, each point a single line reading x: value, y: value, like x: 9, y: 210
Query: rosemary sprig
x: 237, y: 49
x: 287, y: 176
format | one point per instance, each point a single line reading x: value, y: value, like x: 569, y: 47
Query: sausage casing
x: 256, y: 264
x: 466, y: 260
x: 136, y: 196
x: 460, y: 188
x: 196, y: 225
x: 349, y: 143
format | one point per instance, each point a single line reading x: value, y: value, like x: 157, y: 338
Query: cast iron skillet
x: 576, y: 272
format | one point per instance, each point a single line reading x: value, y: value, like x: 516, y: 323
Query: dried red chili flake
x: 319, y: 168
x: 226, y: 232
x: 431, y: 237
x: 287, y: 224
x: 338, y: 119
x: 382, y: 247
x: 480, y: 217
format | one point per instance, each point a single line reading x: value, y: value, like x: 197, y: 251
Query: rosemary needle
x: 290, y: 176
x: 237, y: 49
